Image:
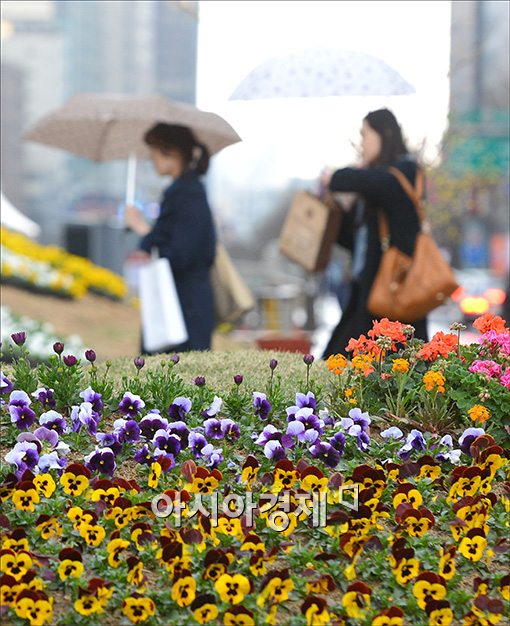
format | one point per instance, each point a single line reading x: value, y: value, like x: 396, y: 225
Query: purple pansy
x: 214, y: 408
x: 6, y: 385
x: 467, y: 438
x: 46, y: 397
x: 54, y: 421
x: 392, y: 433
x: 179, y: 408
x: 166, y: 443
x: 274, y: 450
x: 414, y: 441
x: 84, y: 415
x: 22, y: 416
x: 151, y: 423
x: 326, y: 453
x: 261, y: 404
x: 95, y: 399
x: 213, y: 455
x: 338, y: 442
x: 52, y: 451
x: 131, y: 404
x: 25, y: 455
x: 196, y: 443
x: 326, y: 417
x: 181, y: 430
x: 230, y: 429
x: 101, y: 460
x: 110, y: 440
x: 306, y: 400
x: 19, y: 398
x: 360, y: 418
x: 19, y: 409
x: 144, y: 456
x: 212, y: 428
x: 448, y: 453
x: 297, y: 428
x: 309, y: 420
x: 128, y: 430
x: 268, y: 437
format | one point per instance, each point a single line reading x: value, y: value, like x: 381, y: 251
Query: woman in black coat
x: 184, y: 232
x: 382, y: 146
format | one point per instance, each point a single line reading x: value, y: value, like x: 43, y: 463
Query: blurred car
x: 480, y: 291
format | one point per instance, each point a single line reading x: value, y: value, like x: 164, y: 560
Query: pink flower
x: 489, y: 368
x: 496, y: 341
x: 505, y: 378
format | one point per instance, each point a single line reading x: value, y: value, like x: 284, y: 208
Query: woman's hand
x: 135, y: 220
x: 325, y: 178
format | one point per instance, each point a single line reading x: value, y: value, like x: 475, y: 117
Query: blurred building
x: 11, y: 100
x: 32, y: 65
x: 65, y: 47
x: 479, y: 135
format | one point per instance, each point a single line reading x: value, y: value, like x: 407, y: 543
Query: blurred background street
x: 454, y: 55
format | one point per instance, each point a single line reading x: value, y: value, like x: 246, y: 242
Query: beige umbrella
x: 105, y: 127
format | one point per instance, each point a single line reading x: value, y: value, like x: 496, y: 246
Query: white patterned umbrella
x: 318, y: 73
x: 104, y: 127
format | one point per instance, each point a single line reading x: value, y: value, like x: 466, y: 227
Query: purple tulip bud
x: 70, y: 360
x: 19, y: 338
x: 273, y: 363
x: 199, y: 381
x: 308, y: 359
x: 175, y: 358
x: 238, y: 379
x: 90, y: 355
x: 58, y: 347
x: 139, y: 362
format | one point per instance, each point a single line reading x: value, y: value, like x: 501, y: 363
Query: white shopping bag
x: 163, y: 323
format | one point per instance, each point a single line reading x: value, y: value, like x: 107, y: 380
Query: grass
x: 219, y: 368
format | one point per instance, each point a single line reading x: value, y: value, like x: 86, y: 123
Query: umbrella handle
x: 131, y: 179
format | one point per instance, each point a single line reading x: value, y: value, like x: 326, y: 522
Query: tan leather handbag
x: 407, y: 288
x: 232, y: 297
x: 310, y: 231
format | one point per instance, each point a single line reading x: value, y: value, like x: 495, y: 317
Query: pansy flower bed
x: 371, y: 490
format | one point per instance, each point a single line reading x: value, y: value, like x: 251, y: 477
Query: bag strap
x: 415, y: 195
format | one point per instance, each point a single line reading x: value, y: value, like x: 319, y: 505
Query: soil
x: 111, y: 328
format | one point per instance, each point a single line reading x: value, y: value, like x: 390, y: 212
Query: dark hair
x: 392, y: 143
x: 168, y: 137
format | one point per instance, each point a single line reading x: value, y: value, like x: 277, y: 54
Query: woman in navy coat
x: 377, y: 190
x: 184, y: 232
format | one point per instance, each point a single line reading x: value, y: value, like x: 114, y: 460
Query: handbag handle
x: 415, y: 194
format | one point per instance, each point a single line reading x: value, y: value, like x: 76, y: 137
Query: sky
x: 297, y: 137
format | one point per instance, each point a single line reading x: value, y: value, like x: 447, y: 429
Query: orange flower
x: 439, y: 345
x: 433, y: 379
x: 400, y: 365
x: 385, y: 328
x: 489, y: 321
x: 362, y: 363
x: 362, y: 345
x: 478, y: 413
x: 336, y: 363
